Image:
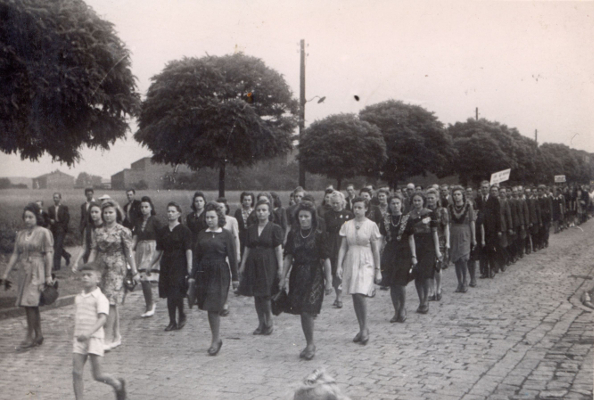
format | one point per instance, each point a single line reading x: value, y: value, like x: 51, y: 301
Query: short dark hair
x: 34, y: 209
x: 223, y: 201
x: 87, y: 190
x: 197, y: 194
x: 91, y: 266
x: 366, y: 190
x: 309, y: 207
x: 216, y: 207
x: 360, y: 199
x: 131, y: 190
x: 261, y: 202
x: 422, y: 195
x: 276, y: 199
x: 177, y: 207
x: 57, y: 193
x: 146, y: 199
x: 249, y: 194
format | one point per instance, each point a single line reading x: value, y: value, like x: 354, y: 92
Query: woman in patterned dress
x: 33, y: 257
x: 145, y: 244
x: 396, y: 259
x: 308, y: 259
x: 261, y: 264
x: 111, y: 249
x: 443, y: 234
x: 463, y: 236
x: 95, y: 221
x: 359, y: 258
x: 334, y: 219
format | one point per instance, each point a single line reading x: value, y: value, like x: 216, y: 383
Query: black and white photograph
x: 296, y: 200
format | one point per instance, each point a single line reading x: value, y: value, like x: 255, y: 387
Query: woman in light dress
x: 359, y: 262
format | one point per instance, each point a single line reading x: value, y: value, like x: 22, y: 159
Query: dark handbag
x: 280, y: 302
x: 49, y: 294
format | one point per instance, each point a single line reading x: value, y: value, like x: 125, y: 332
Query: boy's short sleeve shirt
x: 88, y: 306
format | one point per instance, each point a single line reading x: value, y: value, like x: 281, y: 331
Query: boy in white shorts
x: 91, y: 309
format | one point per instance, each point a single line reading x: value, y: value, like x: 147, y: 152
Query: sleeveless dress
x: 31, y: 264
x: 358, y: 266
x: 396, y: 259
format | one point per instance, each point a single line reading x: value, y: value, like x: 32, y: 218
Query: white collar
x: 218, y: 230
x: 95, y: 293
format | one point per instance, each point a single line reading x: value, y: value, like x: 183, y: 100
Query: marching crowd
x: 287, y: 259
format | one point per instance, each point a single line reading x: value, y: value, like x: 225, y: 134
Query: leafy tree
x: 198, y: 112
x: 416, y: 142
x: 87, y: 180
x: 566, y: 161
x: 5, y: 183
x: 342, y: 146
x: 66, y: 80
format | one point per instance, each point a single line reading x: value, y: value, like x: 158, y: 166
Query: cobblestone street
x: 517, y: 336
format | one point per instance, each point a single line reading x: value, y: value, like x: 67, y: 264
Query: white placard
x: 559, y: 178
x: 500, y: 176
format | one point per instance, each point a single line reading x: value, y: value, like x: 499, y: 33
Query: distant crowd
x: 287, y: 259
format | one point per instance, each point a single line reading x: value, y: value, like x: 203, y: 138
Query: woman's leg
x: 458, y: 268
x: 307, y: 324
x: 30, y: 314
x: 471, y: 265
x: 394, y: 295
x: 171, y: 309
x: 147, y: 290
x: 110, y: 324
x: 214, y: 320
x: 419, y: 287
x: 179, y: 304
x: 37, y: 326
x: 267, y: 312
x: 117, y: 336
x: 338, y: 294
x: 260, y: 312
x: 360, y: 304
x: 437, y: 283
x: 398, y: 294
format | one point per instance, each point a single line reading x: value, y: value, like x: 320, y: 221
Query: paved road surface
x: 514, y: 337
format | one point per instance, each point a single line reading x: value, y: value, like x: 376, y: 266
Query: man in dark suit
x: 131, y: 210
x: 481, y: 201
x: 59, y: 218
x: 351, y: 194
x: 373, y: 212
x: 84, y: 209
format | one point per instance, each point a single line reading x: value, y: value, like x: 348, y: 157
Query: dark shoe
x: 308, y: 355
x: 171, y: 327
x: 339, y: 304
x: 67, y: 257
x: 384, y: 288
x: 224, y: 313
x: 432, y: 298
x: 357, y: 338
x: 483, y: 276
x: 423, y: 309
x: 213, y: 351
x: 182, y: 323
x: 473, y: 283
x: 438, y: 297
x: 27, y: 344
x: 302, y: 354
x: 121, y: 394
x: 258, y: 331
x: 402, y: 319
x: 39, y: 341
x: 458, y: 289
x: 268, y: 330
x: 464, y: 289
x: 395, y: 318
x: 492, y: 274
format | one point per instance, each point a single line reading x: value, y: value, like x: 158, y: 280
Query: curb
x: 18, y: 311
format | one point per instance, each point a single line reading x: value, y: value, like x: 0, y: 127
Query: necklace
x: 29, y: 235
x: 301, y: 233
x: 399, y: 219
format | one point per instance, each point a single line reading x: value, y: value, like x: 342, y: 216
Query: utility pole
x: 302, y: 109
x: 476, y: 113
x: 536, y: 137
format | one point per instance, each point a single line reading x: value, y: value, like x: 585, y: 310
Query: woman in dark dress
x: 195, y: 220
x: 308, y: 259
x: 396, y: 259
x: 211, y: 271
x: 423, y: 225
x: 174, y: 250
x: 334, y: 219
x: 242, y: 215
x: 280, y: 214
x: 94, y: 222
x: 261, y: 264
x: 145, y: 244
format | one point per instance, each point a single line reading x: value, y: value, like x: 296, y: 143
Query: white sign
x: 559, y: 178
x: 500, y: 176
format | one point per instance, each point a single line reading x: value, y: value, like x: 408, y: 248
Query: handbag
x: 49, y: 294
x: 280, y: 302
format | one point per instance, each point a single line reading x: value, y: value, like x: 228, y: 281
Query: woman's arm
x: 446, y: 232
x: 328, y: 274
x: 473, y: 233
x: 483, y: 234
x: 127, y: 248
x: 436, y: 243
x: 286, y: 266
x: 246, y: 253
x: 13, y: 259
x: 189, y: 260
x: 375, y: 248
x: 413, y: 249
x: 279, y: 257
x: 341, y: 254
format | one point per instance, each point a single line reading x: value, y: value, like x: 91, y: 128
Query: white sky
x: 528, y: 65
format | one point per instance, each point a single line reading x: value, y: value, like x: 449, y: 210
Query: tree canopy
x: 416, y: 142
x: 66, y: 80
x: 213, y: 111
x: 342, y: 146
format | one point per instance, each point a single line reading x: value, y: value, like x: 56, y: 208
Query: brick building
x: 145, y: 173
x: 54, y: 180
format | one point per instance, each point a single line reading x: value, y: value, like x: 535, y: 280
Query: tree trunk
x: 338, y: 183
x: 222, y: 179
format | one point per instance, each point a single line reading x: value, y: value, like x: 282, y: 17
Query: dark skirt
x: 335, y: 241
x: 306, y: 289
x: 426, y: 258
x: 260, y: 277
x: 396, y: 263
x: 172, y: 279
x: 212, y: 285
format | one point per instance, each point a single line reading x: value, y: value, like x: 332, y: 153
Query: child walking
x: 91, y: 309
